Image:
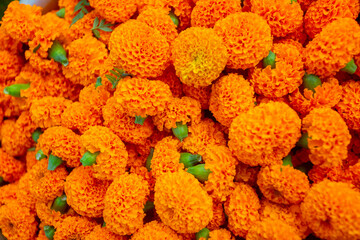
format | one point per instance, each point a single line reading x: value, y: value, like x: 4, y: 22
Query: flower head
x: 8, y: 193
x: 10, y: 65
x: 74, y: 227
x: 8, y: 43
x: 11, y: 169
x: 49, y: 216
x: 96, y: 97
x: 105, y: 234
x: 155, y: 231
x: 169, y: 77
x: 218, y: 216
x: 114, y: 11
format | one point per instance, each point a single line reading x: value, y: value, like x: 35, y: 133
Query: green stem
x: 98, y: 82
x: 89, y: 158
x: 14, y: 90
x: 311, y: 81
x: 181, y: 131
x: 303, y: 141
x: 49, y: 231
x: 60, y: 204
x: 54, y: 162
x: 148, y: 206
x: 174, y: 18
x: 61, y: 13
x: 40, y: 155
x: 287, y: 161
x: 199, y: 172
x: 350, y: 67
x: 148, y: 160
x: 203, y: 233
x: 140, y: 120
x: 189, y: 159
x: 36, y: 134
x: 269, y: 60
x: 58, y: 53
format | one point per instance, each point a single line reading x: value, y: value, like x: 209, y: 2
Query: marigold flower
x: 328, y: 207
x: 230, y: 96
x: 265, y: 134
x: 117, y: 119
x: 199, y: 56
x: 298, y: 35
x: 285, y: 78
x: 220, y: 234
x: 323, y: 60
x: 328, y: 137
x: 124, y: 203
x: 124, y: 45
x: 142, y: 97
x: 202, y: 135
x: 118, y: 11
x: 17, y: 222
x: 8, y: 43
x: 10, y: 65
x: 272, y: 229
x: 8, y: 193
x: 323, y: 12
x: 242, y: 208
x: 49, y: 216
x: 247, y: 37
x: 104, y: 233
x: 202, y: 94
x: 96, y: 97
x: 169, y: 77
x: 23, y: 195
x: 182, y: 203
x: 218, y: 216
x: 74, y: 227
x: 10, y: 169
x: 155, y: 231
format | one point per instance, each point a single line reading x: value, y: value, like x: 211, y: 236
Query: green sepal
x: 49, y: 231
x: 40, y: 155
x: 58, y: 53
x: 98, y: 82
x: 140, y: 120
x: 104, y: 224
x: 14, y: 90
x: 36, y: 134
x: 148, y: 159
x: 54, y: 162
x: 350, y: 67
x: 303, y: 141
x: 148, y: 206
x: 199, y: 172
x: 269, y: 60
x: 203, y: 233
x: 37, y: 48
x: 181, y: 131
x: 89, y: 158
x: 311, y: 81
x: 174, y: 18
x: 60, y: 204
x: 287, y: 161
x: 189, y: 159
x: 61, y: 13
x: 31, y: 149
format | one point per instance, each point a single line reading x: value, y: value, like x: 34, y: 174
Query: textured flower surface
x: 155, y: 231
x: 114, y: 11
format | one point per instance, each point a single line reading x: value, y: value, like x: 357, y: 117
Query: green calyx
x: 119, y: 75
x: 148, y: 159
x: 98, y: 82
x: 31, y: 149
x: 58, y: 53
x: 36, y: 134
x: 311, y: 81
x: 203, y: 233
x: 89, y: 158
x: 189, y: 159
x: 140, y: 120
x: 293, y: 1
x: 269, y: 60
x: 14, y: 90
x: 60, y: 204
x: 54, y: 162
x: 303, y: 141
x: 199, y: 172
x: 287, y: 161
x: 104, y: 224
x: 61, y: 13
x: 49, y: 231
x: 149, y: 205
x: 40, y: 155
x: 181, y: 131
x: 350, y: 67
x: 174, y: 18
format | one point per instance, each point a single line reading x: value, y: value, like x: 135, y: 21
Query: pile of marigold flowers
x: 180, y: 119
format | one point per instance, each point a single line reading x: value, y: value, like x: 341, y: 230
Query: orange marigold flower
x: 328, y: 208
x: 10, y: 65
x: 155, y: 231
x: 96, y: 97
x: 283, y: 184
x: 74, y: 227
x: 199, y: 56
x: 220, y: 234
x: 169, y: 77
x: 207, y: 12
x: 182, y: 203
x: 246, y: 174
x: 11, y: 169
x: 146, y: 175
x: 247, y: 37
x: 265, y: 134
x: 324, y: 60
x: 348, y: 106
x: 85, y: 193
x: 328, y: 137
x: 49, y: 216
x: 104, y: 233
x: 218, y: 216
x: 285, y: 78
x: 202, y: 94
x: 21, y: 21
x: 23, y: 195
x: 8, y: 43
x: 272, y: 229
x: 124, y: 204
x: 298, y: 35
x: 117, y: 119
x: 230, y: 96
x: 124, y: 45
x: 242, y: 208
x: 113, y: 156
x: 183, y: 110
x: 63, y: 143
x: 46, y: 112
x: 202, y: 135
x: 17, y: 222
x: 323, y: 12
x: 8, y: 193
x: 142, y: 97
x: 114, y: 11
x: 86, y: 55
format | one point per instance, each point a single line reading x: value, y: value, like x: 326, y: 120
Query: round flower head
x: 142, y: 97
x: 114, y: 11
x: 332, y: 210
x: 169, y: 77
x: 328, y: 137
x: 96, y: 97
x: 289, y: 15
x: 348, y: 107
x: 155, y: 231
x: 23, y: 195
x: 10, y: 169
x: 265, y: 134
x: 323, y: 12
x: 63, y: 143
x: 139, y: 50
x: 10, y: 65
x: 30, y: 159
x: 272, y: 229
x: 104, y: 233
x: 207, y: 12
x: 74, y: 227
x: 283, y: 184
x: 17, y: 222
x: 124, y: 204
x: 230, y: 96
x: 333, y: 48
x: 242, y: 208
x: 199, y: 56
x: 112, y: 158
x: 8, y: 193
x: 117, y: 119
x: 247, y: 37
x: 8, y: 43
x: 202, y: 94
x: 21, y: 21
x: 85, y: 193
x: 218, y: 216
x: 285, y: 78
x: 86, y: 55
x: 182, y: 203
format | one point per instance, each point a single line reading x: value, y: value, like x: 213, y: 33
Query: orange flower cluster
x: 74, y: 227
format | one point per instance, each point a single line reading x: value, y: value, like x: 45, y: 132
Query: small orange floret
x: 10, y: 65
x: 155, y: 231
x: 74, y: 227
x: 247, y: 37
x: 104, y: 233
x: 114, y: 11
x: 10, y: 169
